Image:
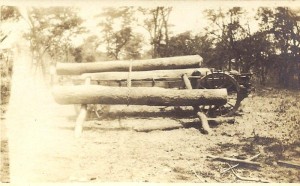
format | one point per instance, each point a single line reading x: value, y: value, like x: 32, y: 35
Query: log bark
x: 192, y: 61
x: 145, y: 75
x: 152, y: 96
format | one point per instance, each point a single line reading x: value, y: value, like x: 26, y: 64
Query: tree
x: 118, y: 32
x: 51, y: 32
x: 7, y: 14
x: 189, y: 44
x: 282, y: 28
x: 226, y: 29
x: 156, y: 23
x: 134, y: 46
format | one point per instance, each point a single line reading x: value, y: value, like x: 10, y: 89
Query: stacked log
x: 146, y: 75
x: 181, y: 62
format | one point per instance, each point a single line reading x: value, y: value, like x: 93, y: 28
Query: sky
x: 185, y: 16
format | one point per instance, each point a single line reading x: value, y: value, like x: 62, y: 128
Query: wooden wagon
x: 173, y: 81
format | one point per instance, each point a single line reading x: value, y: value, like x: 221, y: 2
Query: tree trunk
x: 192, y: 61
x: 145, y: 75
x: 152, y: 96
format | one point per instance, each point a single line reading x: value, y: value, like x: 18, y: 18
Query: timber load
x: 209, y: 92
x: 181, y: 62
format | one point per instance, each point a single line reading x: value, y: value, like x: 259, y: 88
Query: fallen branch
x: 231, y: 167
x: 249, y: 159
x: 235, y: 160
x: 289, y: 164
x: 246, y: 178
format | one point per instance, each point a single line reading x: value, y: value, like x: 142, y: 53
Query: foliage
x: 226, y: 29
x: 51, y: 32
x: 281, y: 27
x: 188, y: 44
x: 9, y: 13
x: 156, y: 23
x: 86, y: 52
x: 119, y: 37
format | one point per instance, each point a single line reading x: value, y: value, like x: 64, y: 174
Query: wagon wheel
x: 218, y: 80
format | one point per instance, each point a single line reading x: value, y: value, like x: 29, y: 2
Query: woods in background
x: 265, y: 43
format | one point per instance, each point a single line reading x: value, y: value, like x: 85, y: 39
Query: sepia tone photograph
x: 150, y: 92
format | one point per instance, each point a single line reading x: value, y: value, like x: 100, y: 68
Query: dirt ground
x: 110, y: 150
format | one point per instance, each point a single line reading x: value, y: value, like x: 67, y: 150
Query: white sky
x: 185, y: 16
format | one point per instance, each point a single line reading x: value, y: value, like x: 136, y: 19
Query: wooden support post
x: 202, y: 117
x: 187, y: 82
x: 204, y: 122
x: 82, y: 115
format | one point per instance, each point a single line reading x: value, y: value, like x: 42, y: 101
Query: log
x: 152, y: 96
x: 145, y: 75
x: 192, y: 61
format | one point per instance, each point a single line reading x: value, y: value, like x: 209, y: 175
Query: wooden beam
x: 180, y: 62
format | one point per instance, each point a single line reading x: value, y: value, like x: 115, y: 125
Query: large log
x: 145, y: 75
x: 193, y: 61
x: 152, y: 96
